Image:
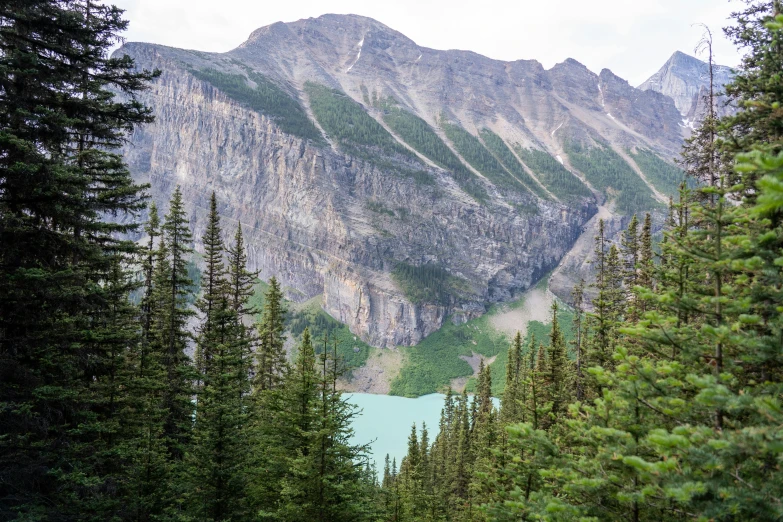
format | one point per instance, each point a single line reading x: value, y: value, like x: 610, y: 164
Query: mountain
x: 403, y: 185
x: 686, y: 80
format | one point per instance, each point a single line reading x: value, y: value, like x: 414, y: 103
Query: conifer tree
x: 241, y: 280
x: 334, y: 463
x: 558, y: 372
x: 215, y: 464
x: 240, y: 288
x: 411, y: 476
x: 608, y: 305
x: 511, y: 406
x: 462, y: 459
x: 486, y: 442
x: 214, y: 302
x: 152, y: 229
x: 271, y: 363
x: 578, y: 342
x: 60, y: 124
x: 172, y: 293
x: 149, y: 465
x: 296, y: 424
x: 630, y: 251
x: 757, y: 87
x: 532, y: 384
x: 646, y: 256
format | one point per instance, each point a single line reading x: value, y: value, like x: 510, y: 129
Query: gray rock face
x: 686, y: 80
x: 310, y: 212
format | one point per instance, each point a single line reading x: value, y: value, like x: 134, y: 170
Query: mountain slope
x: 359, y: 163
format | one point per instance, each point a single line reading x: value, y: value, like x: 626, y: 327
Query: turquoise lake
x: 385, y: 421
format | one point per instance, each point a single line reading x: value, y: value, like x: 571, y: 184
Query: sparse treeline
x: 668, y: 405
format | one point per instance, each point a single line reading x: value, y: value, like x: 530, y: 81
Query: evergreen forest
x: 136, y: 388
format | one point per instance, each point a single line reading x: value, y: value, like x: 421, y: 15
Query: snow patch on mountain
x: 358, y: 55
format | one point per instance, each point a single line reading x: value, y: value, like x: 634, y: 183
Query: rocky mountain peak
x: 685, y: 79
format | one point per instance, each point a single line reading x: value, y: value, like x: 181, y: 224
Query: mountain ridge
x: 480, y: 171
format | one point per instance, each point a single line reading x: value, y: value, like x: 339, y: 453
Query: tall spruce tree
x: 558, y: 372
x: 241, y: 282
x: 214, y: 302
x: 173, y: 291
x: 511, y: 407
x: 578, y: 343
x: 271, y: 363
x: 60, y: 123
x: 215, y: 467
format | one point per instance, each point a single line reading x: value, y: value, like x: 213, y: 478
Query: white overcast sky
x: 633, y: 38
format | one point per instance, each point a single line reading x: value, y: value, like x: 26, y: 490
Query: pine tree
x: 486, y: 439
x: 462, y: 459
x: 333, y: 463
x: 148, y: 464
x: 215, y: 464
x: 152, y: 229
x: 241, y: 280
x: 558, y: 372
x: 630, y: 252
x: 116, y: 332
x: 511, y: 406
x: 608, y: 307
x: 578, y: 342
x: 59, y: 178
x: 272, y: 444
x: 271, y: 363
x: 172, y: 292
x: 757, y: 87
x: 214, y: 303
x: 411, y: 477
x: 646, y: 257
x: 240, y: 288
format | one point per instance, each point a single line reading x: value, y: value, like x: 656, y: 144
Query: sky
x: 633, y: 38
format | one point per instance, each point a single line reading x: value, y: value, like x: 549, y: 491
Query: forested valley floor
x: 665, y: 403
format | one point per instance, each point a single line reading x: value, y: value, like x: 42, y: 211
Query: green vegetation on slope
x: 427, y: 283
x: 664, y: 176
x: 498, y: 147
x: 474, y: 152
x: 553, y: 175
x: 432, y: 364
x: 379, y: 208
x: 358, y: 134
x: 351, y: 350
x: 418, y: 134
x: 541, y: 331
x: 346, y: 122
x: 608, y: 172
x: 266, y: 98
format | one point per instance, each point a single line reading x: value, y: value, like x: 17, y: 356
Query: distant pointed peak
x: 607, y: 74
x: 570, y: 63
x: 681, y: 57
x: 573, y: 63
